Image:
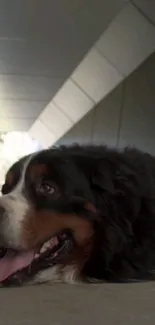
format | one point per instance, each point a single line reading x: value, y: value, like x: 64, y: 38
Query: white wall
x: 125, y: 117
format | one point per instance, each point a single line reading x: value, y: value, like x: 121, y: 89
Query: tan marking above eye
x: 37, y: 170
x: 40, y: 225
x: 9, y: 178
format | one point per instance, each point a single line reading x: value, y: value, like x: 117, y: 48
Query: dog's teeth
x: 36, y: 256
x: 54, y: 242
x: 45, y: 247
x: 49, y: 244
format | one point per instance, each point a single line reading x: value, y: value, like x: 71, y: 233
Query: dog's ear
x: 102, y: 178
x: 13, y: 175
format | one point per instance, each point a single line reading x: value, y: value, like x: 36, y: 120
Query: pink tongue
x: 12, y: 263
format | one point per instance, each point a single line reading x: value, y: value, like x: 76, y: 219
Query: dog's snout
x: 2, y: 223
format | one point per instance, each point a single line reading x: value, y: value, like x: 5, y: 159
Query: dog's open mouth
x: 19, y: 266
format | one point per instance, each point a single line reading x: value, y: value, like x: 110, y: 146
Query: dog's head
x: 47, y: 206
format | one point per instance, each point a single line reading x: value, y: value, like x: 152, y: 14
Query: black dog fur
x: 121, y: 186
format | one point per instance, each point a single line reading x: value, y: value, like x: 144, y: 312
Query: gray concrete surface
x: 58, y: 304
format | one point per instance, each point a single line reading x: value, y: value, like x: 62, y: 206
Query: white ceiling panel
x: 92, y: 18
x: 96, y: 76
x: 39, y: 58
x: 73, y: 101
x: 147, y: 7
x: 28, y: 87
x: 50, y: 37
x: 5, y: 126
x: 21, y: 109
x: 20, y: 19
x: 56, y: 120
x: 42, y: 134
x: 41, y: 43
x: 128, y: 41
x: 15, y: 124
x: 18, y: 124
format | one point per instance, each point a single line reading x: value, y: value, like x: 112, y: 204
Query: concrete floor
x: 78, y: 305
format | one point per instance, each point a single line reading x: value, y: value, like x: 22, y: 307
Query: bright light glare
x: 14, y: 145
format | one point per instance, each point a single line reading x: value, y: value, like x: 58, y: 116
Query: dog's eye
x: 46, y: 188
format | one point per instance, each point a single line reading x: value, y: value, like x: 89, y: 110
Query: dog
x: 78, y: 214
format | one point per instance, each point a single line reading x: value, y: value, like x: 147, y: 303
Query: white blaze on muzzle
x: 15, y: 205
